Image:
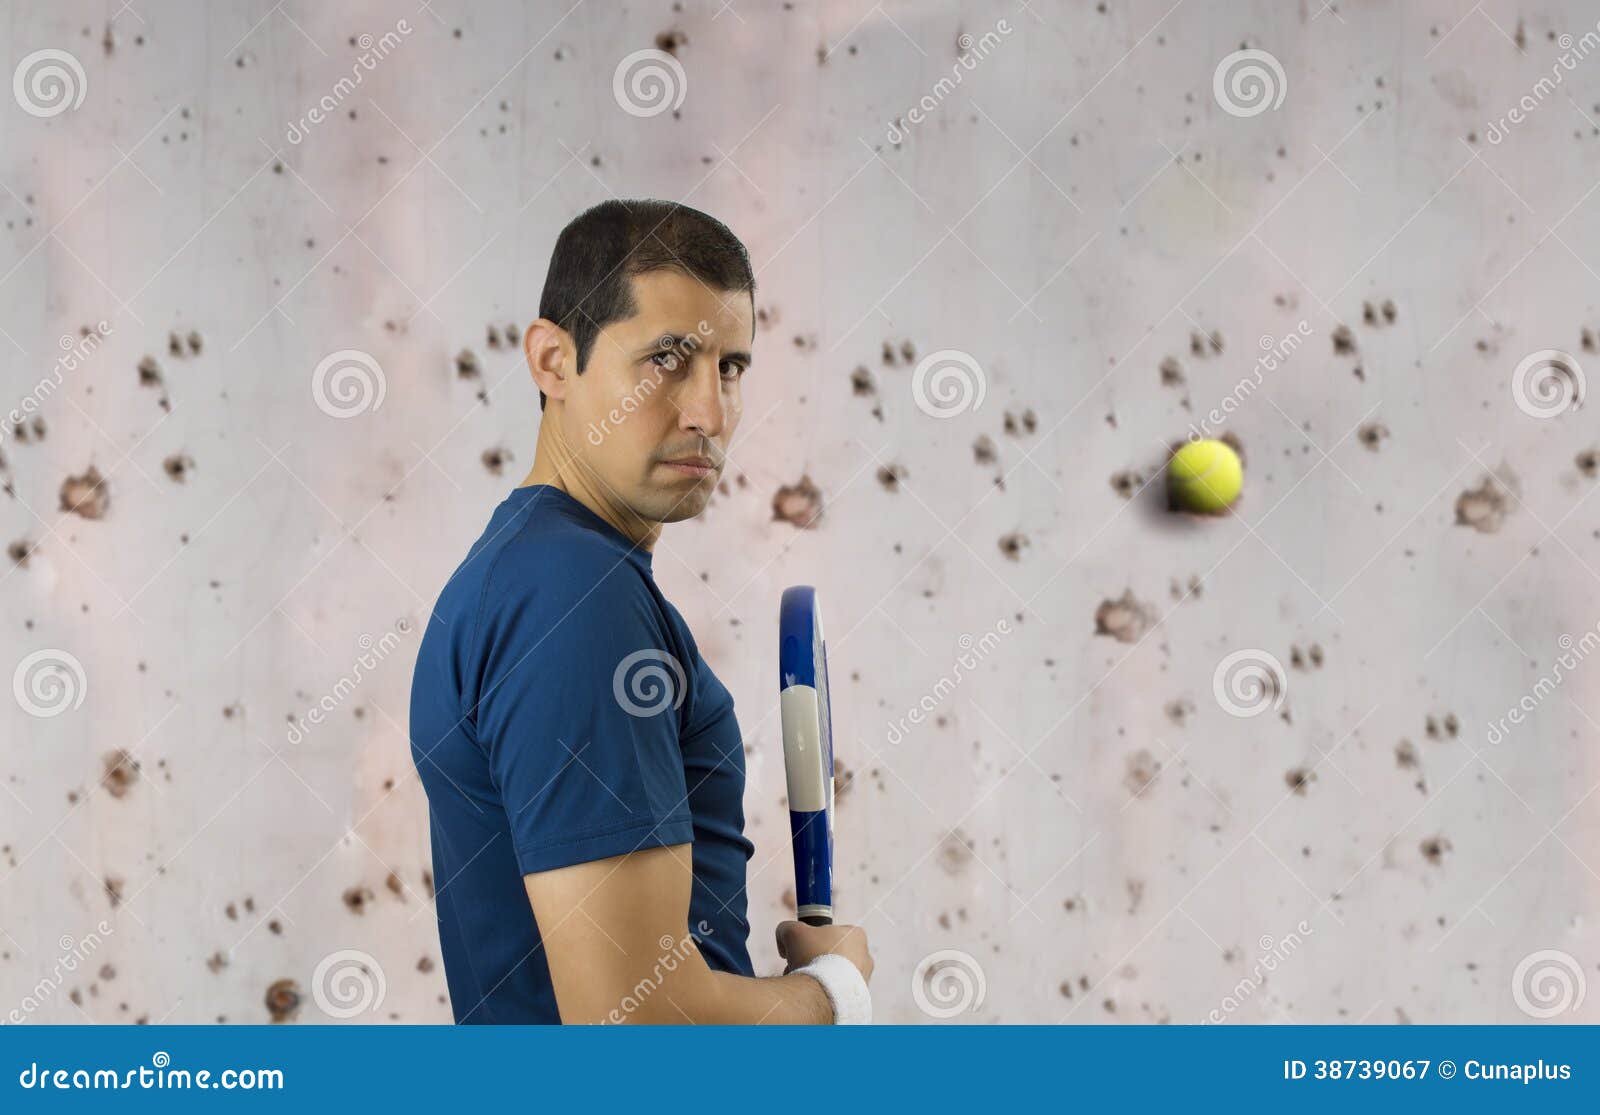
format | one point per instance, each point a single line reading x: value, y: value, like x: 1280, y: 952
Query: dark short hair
x: 590, y: 281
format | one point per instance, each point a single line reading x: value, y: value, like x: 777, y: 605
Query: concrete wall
x: 1112, y: 246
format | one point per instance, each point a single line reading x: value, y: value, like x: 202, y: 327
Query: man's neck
x: 554, y: 466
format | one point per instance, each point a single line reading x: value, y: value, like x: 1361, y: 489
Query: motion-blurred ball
x: 1204, y: 477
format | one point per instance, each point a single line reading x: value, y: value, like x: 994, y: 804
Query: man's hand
x: 799, y: 944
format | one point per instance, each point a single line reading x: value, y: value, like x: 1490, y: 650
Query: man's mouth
x: 696, y: 467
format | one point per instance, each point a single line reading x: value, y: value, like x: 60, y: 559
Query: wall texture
x: 1329, y: 758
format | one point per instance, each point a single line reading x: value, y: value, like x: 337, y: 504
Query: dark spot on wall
x: 1372, y: 435
x: 356, y: 899
x: 1143, y: 767
x: 1011, y: 545
x: 1588, y: 463
x: 861, y: 381
x: 217, y: 961
x: 1405, y: 755
x: 670, y: 41
x: 1127, y: 483
x: 1171, y: 372
x: 843, y: 779
x: 86, y: 495
x: 983, y: 450
x: 26, y: 432
x: 177, y: 467
x: 1434, y: 848
x: 1485, y: 507
x: 467, y: 366
x: 1178, y: 710
x: 19, y: 550
x: 1299, y: 779
x: 1027, y: 422
x: 955, y: 852
x: 283, y: 1000
x: 1124, y: 619
x: 1205, y: 344
x: 121, y: 771
x: 889, y: 476
x: 495, y: 458
x: 1344, y: 341
x: 799, y: 504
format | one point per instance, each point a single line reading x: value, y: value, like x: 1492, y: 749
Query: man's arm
x: 616, y: 939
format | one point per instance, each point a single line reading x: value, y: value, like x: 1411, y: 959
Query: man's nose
x: 700, y: 405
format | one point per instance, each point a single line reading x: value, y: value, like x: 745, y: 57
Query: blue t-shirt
x: 561, y: 713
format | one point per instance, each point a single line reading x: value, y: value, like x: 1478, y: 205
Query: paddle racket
x: 807, y: 750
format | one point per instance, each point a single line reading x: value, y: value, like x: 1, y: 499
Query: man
x: 583, y: 764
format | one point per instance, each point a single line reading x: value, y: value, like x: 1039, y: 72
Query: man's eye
x: 732, y: 369
x: 667, y: 360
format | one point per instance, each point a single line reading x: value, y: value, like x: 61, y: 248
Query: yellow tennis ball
x: 1204, y: 477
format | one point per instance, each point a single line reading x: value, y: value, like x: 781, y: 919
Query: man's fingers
x: 785, y: 929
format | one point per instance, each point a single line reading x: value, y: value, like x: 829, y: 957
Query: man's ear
x: 551, y: 356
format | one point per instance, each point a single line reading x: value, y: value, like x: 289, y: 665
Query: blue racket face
x: 807, y: 749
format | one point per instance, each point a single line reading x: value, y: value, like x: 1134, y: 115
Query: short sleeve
x: 578, y: 714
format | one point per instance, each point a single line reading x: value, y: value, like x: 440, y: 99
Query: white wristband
x: 844, y: 986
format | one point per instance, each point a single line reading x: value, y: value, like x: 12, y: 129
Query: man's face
x: 662, y: 387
